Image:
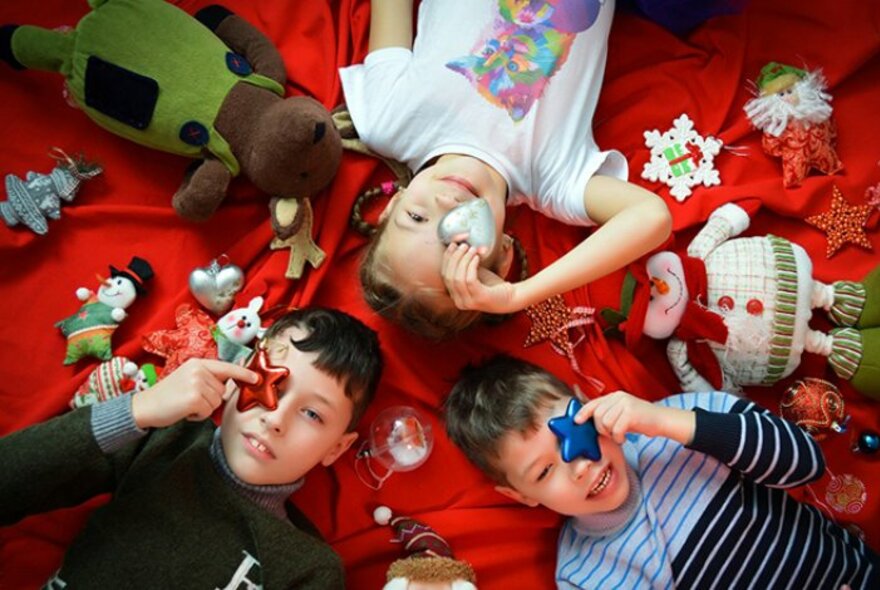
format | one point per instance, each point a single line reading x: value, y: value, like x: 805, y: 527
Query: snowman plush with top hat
x: 88, y: 331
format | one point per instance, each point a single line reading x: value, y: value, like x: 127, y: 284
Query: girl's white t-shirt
x: 515, y: 86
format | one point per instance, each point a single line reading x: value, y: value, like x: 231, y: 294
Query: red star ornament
x: 843, y: 223
x: 265, y: 391
x: 191, y: 339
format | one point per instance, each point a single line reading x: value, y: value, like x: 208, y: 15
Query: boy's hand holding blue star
x: 575, y: 440
x: 618, y: 414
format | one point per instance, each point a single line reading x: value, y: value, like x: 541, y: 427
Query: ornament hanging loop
x: 362, y: 463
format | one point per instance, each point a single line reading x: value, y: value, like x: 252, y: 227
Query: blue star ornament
x: 575, y: 440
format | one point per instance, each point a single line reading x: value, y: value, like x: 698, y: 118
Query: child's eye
x: 416, y: 217
x: 313, y: 415
x: 544, y: 472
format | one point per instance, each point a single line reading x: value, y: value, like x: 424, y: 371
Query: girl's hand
x: 193, y: 391
x: 471, y: 286
x: 619, y: 413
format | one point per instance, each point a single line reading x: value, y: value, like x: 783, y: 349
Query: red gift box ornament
x: 816, y: 406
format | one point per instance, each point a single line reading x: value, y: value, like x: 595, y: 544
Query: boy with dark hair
x: 195, y: 506
x: 688, y: 492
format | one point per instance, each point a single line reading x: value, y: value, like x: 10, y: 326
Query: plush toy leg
x: 38, y: 48
x: 202, y: 190
x: 689, y: 378
x: 90, y: 343
x: 866, y: 378
x: 870, y: 317
x: 847, y: 301
x: 855, y: 356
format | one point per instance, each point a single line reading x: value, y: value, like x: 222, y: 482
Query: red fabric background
x: 652, y: 77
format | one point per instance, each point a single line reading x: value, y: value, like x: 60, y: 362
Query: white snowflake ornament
x: 682, y: 158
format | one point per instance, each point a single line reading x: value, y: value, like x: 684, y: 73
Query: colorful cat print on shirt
x: 523, y: 48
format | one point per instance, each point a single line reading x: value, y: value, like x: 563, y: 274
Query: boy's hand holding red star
x: 192, y: 391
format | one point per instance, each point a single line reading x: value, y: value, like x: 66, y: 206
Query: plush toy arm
x: 725, y: 222
x: 245, y: 39
x: 118, y: 314
x: 687, y: 375
x: 203, y: 189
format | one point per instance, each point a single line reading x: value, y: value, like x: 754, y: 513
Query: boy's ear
x: 340, y: 447
x: 515, y: 495
x: 390, y: 206
x: 505, y: 258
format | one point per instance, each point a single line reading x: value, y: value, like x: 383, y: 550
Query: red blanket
x: 652, y: 77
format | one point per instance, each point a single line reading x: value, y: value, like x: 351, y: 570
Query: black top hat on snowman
x: 138, y: 272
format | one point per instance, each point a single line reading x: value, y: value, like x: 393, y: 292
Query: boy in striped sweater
x: 689, y: 492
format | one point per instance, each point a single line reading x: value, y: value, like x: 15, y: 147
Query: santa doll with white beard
x: 794, y: 112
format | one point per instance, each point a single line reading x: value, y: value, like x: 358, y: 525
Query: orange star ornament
x: 843, y: 224
x: 265, y: 391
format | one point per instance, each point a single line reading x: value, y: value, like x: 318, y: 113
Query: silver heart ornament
x: 474, y: 218
x: 215, y: 286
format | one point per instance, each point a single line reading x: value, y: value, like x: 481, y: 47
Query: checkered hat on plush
x: 428, y: 556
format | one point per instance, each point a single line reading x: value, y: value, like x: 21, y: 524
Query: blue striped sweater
x: 715, y: 514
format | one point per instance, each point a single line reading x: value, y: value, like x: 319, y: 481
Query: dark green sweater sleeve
x: 52, y: 465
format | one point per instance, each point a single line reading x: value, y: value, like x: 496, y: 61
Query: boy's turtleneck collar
x: 271, y: 497
x: 603, y: 524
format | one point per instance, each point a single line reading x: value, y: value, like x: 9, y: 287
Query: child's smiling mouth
x: 259, y: 446
x: 602, y: 482
x: 463, y: 184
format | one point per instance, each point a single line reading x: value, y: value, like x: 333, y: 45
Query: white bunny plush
x: 238, y: 328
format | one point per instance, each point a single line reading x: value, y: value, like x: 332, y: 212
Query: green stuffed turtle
x: 209, y: 87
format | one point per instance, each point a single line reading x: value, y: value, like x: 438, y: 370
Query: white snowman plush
x: 238, y: 328
x: 89, y: 330
x: 737, y: 311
